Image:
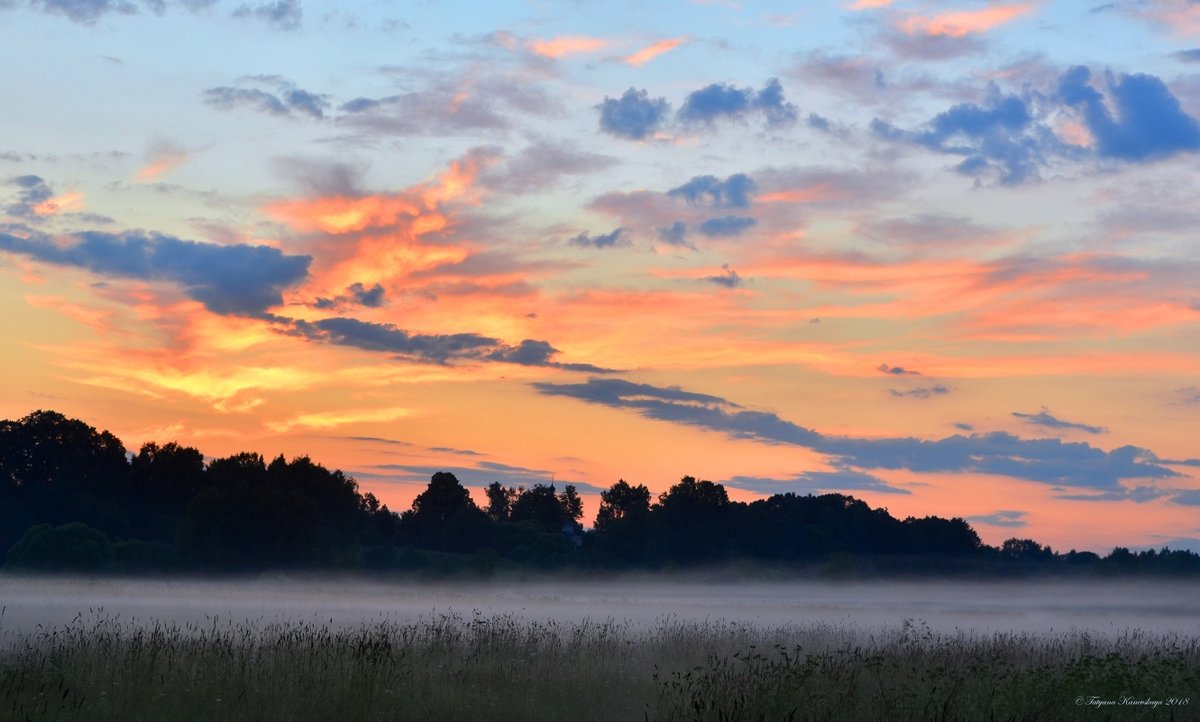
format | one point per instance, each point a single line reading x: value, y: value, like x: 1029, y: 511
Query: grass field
x: 451, y: 667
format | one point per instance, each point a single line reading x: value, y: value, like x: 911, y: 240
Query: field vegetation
x: 451, y: 667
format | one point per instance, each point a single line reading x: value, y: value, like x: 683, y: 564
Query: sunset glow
x: 940, y: 257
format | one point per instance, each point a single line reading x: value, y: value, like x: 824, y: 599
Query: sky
x: 937, y: 255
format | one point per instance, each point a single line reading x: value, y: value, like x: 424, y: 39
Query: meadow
x: 469, y: 664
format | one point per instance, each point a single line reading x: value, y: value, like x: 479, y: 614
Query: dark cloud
x: 1190, y: 497
x: 433, y: 348
x: 819, y: 122
x: 725, y: 226
x: 32, y: 190
x: 438, y: 348
x: 811, y: 482
x: 226, y: 98
x: 964, y: 427
x: 733, y: 192
x: 283, y: 100
x: 684, y: 407
x: 634, y: 115
x: 613, y: 239
x: 996, y: 136
x: 1149, y: 122
x: 356, y: 294
x: 234, y: 280
x: 282, y: 15
x: 1049, y: 461
x: 379, y: 440
x: 85, y: 12
x: 1045, y: 419
x: 674, y: 234
x: 1190, y: 544
x: 719, y: 101
x: 728, y: 277
x: 480, y: 475
x: 1008, y: 137
x: 896, y: 370
x: 1139, y: 494
x: 1191, y: 55
x: 457, y: 452
x: 1002, y: 518
x: 920, y: 392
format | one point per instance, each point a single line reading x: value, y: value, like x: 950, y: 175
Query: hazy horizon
x: 1105, y: 608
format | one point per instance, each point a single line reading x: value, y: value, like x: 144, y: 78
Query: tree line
x: 72, y: 498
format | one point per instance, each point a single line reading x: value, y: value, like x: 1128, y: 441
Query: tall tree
x: 622, y: 502
x: 445, y: 517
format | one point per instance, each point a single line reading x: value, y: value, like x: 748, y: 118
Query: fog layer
x: 981, y: 607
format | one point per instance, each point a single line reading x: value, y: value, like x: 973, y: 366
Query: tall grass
x: 451, y: 667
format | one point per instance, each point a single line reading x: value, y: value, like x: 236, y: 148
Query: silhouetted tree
x: 1026, y: 551
x: 244, y: 469
x: 944, y: 537
x: 622, y: 503
x: 622, y: 522
x: 445, y: 517
x: 168, y: 475
x: 691, y: 519
x: 500, y: 500
x: 552, y: 511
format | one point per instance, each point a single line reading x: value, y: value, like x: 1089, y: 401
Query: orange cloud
x: 964, y: 22
x: 809, y: 194
x: 338, y: 215
x: 60, y: 204
x: 380, y: 237
x: 160, y: 160
x: 565, y: 45
x: 639, y: 58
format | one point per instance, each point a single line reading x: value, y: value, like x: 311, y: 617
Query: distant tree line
x: 73, y: 499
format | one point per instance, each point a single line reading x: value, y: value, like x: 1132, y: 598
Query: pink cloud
x: 565, y: 45
x: 640, y: 57
x: 960, y: 23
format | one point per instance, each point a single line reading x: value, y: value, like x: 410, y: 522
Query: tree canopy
x: 73, y: 499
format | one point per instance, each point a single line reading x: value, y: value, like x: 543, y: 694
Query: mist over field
x: 1049, y: 607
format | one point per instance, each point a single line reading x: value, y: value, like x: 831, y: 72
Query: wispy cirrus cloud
x: 282, y: 98
x: 639, y: 58
x: 161, y: 158
x: 1004, y: 518
x: 1047, y: 420
x: 613, y: 239
x: 957, y: 23
x: 813, y: 482
x: 566, y: 45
